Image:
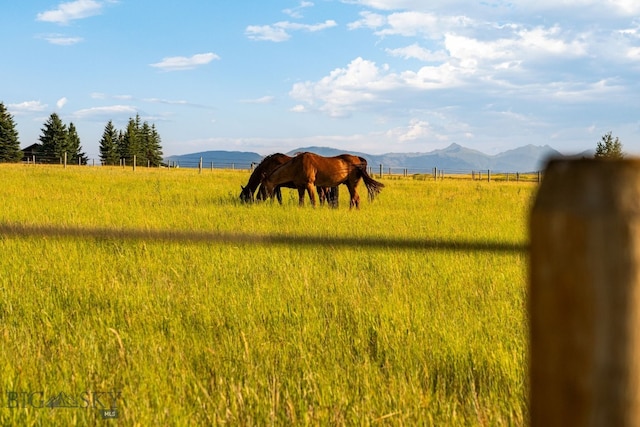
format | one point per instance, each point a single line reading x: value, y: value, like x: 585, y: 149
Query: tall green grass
x: 159, y: 285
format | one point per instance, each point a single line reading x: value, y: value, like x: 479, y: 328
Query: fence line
x: 426, y: 173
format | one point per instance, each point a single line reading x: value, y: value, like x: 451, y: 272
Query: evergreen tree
x: 154, y: 148
x: 54, y: 139
x: 9, y: 142
x: 75, y: 154
x: 109, y: 150
x: 609, y: 148
x: 139, y: 139
x: 122, y: 148
x: 131, y: 142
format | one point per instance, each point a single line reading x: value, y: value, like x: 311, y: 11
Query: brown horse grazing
x: 307, y: 170
x: 266, y: 166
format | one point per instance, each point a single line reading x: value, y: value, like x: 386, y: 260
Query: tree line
x: 139, y: 141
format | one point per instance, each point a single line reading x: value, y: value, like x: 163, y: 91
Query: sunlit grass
x: 319, y: 331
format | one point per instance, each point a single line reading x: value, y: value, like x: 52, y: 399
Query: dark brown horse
x: 307, y: 170
x: 266, y: 166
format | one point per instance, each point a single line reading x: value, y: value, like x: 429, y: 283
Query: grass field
x: 157, y: 294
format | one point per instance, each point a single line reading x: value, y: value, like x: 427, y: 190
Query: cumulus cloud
x: 69, y: 11
x: 61, y: 102
x: 279, y: 31
x: 180, y: 63
x: 363, y: 84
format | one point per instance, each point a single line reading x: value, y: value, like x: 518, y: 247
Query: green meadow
x: 154, y: 297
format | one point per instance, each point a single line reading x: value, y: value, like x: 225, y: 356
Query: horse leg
x: 355, y: 198
x: 322, y: 195
x: 334, y: 196
x: 312, y: 194
x: 301, y: 191
x: 279, y: 194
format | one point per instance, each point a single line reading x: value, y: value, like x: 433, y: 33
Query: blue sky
x: 376, y: 76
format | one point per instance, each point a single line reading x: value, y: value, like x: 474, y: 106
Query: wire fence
x: 381, y: 171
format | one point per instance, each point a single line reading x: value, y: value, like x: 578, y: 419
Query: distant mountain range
x: 454, y: 158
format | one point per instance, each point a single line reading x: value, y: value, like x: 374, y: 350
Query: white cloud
x: 343, y: 88
x: 272, y: 33
x: 411, y: 24
x: 369, y: 20
x: 296, y: 12
x: 417, y: 129
x: 70, y: 11
x: 623, y: 7
x: 363, y: 84
x: 165, y: 101
x: 61, y: 102
x: 262, y: 100
x: 105, y: 113
x: 522, y: 47
x: 61, y: 40
x: 179, y: 63
x: 278, y: 32
x: 415, y: 51
x: 634, y: 53
x: 27, y: 107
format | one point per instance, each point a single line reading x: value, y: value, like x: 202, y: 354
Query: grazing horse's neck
x: 255, y: 179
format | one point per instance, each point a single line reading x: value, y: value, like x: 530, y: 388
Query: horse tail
x: 373, y: 187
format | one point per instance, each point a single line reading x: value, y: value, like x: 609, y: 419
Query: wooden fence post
x: 584, y: 295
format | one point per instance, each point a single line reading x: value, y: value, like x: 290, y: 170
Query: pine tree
x: 109, y: 152
x: 9, y: 141
x: 154, y: 149
x: 122, y: 146
x: 609, y: 148
x: 54, y: 139
x: 75, y: 154
x: 138, y: 139
x: 131, y: 144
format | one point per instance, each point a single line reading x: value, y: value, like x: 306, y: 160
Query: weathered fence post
x: 65, y: 159
x: 584, y: 295
x: 200, y: 166
x: 380, y: 170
